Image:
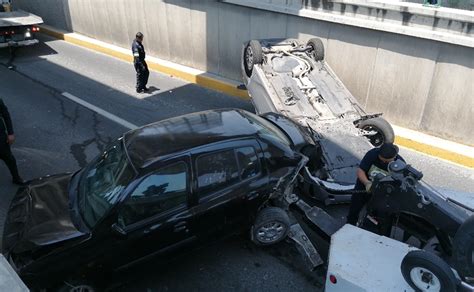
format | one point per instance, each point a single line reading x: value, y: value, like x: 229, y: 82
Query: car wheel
x: 318, y: 48
x: 463, y: 248
x: 271, y: 226
x: 253, y: 55
x: 383, y: 131
x: 424, y: 271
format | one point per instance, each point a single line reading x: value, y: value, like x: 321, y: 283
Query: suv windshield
x: 102, y: 182
x: 267, y: 129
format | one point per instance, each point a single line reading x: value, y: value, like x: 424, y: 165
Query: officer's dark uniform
x: 140, y: 65
x: 6, y: 128
x: 371, y: 165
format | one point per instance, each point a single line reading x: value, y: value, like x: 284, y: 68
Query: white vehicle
x: 9, y: 280
x: 360, y: 260
x: 289, y: 77
x: 17, y: 27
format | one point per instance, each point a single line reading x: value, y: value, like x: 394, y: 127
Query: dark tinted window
x: 268, y: 130
x: 102, y: 182
x: 159, y: 192
x: 248, y: 162
x: 216, y: 171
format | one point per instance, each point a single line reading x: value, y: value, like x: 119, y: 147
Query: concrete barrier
x: 415, y: 64
x: 442, y: 149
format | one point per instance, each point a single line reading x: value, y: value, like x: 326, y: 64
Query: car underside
x: 291, y: 78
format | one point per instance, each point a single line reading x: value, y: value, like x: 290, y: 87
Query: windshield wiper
x: 74, y: 209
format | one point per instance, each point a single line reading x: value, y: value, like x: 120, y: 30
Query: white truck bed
x: 9, y: 280
x: 363, y: 261
x: 19, y: 18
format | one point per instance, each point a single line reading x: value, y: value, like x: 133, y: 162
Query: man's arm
x: 136, y: 52
x: 364, y: 167
x: 362, y: 176
x: 6, y: 117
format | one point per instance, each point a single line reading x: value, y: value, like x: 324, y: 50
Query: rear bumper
x: 19, y: 44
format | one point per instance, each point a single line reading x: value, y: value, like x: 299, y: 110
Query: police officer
x: 375, y: 161
x: 139, y: 62
x: 6, y: 139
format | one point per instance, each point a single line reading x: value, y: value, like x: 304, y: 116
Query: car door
x: 254, y: 183
x: 155, y: 217
x: 221, y: 194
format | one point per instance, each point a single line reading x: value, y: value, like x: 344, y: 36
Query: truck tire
x: 253, y: 55
x: 463, y: 248
x: 384, y: 131
x: 271, y: 226
x: 318, y: 48
x: 424, y: 271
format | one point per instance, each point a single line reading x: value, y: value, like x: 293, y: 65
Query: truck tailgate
x: 19, y: 18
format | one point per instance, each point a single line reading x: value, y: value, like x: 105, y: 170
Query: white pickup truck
x: 17, y: 27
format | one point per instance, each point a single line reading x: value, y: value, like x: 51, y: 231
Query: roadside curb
x: 230, y: 87
x: 437, y: 152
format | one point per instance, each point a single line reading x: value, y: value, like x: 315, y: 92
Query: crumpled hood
x: 39, y: 215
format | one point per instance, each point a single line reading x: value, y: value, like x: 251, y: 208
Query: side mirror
x: 118, y: 230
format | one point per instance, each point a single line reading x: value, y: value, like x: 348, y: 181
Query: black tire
x: 76, y: 285
x: 318, y: 48
x: 384, y: 131
x: 271, y: 226
x: 463, y: 248
x: 423, y: 270
x: 253, y: 55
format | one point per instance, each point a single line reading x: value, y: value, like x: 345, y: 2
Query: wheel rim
x: 270, y: 232
x: 249, y: 58
x: 425, y: 280
x: 80, y: 288
x: 376, y: 139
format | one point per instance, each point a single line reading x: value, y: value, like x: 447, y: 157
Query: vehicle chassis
x: 334, y: 121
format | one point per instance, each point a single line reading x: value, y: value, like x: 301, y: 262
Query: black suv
x: 156, y: 189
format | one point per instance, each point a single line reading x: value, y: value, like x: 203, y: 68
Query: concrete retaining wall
x: 419, y: 83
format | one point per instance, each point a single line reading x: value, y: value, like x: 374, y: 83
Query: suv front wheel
x: 271, y: 226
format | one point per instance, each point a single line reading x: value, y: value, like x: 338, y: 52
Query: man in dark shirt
x: 6, y: 139
x: 374, y: 162
x: 139, y: 62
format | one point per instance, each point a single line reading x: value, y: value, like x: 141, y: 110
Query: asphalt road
x: 57, y: 135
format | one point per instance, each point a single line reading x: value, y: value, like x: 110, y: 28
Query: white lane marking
x: 100, y: 111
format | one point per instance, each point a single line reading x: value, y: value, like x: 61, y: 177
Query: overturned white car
x: 428, y: 238
x: 292, y: 78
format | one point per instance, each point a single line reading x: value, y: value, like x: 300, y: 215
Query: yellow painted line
x: 436, y: 152
x: 201, y: 80
x: 230, y: 89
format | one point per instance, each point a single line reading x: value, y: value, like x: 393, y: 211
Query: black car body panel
x: 39, y: 215
x: 147, y: 144
x: 299, y: 136
x: 49, y: 230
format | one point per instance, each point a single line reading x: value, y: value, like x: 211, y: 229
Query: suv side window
x: 248, y: 162
x: 161, y: 191
x: 216, y: 171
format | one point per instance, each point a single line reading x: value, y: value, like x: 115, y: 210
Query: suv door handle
x: 181, y: 226
x: 148, y: 230
x: 251, y: 196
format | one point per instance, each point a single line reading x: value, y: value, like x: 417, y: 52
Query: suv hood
x: 39, y: 215
x: 299, y: 136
